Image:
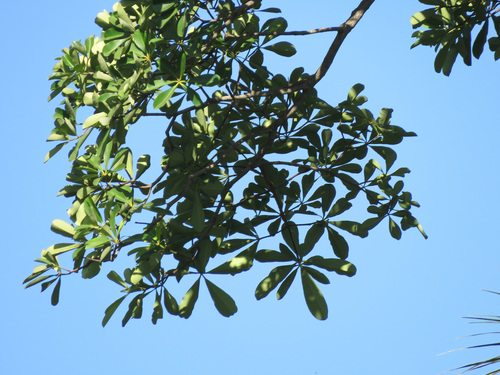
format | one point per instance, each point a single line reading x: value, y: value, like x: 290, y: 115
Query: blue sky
x: 402, y: 309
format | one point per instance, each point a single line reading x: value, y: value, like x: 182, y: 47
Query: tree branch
x: 277, y: 33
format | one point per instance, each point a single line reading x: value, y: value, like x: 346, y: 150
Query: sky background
x: 402, y: 309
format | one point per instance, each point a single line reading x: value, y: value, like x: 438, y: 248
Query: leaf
x: 61, y: 248
x: 61, y: 227
x: 54, y: 151
x: 394, y: 229
x: 449, y: 60
x: 282, y: 48
x: 188, y: 301
x: 170, y: 303
x: 54, y: 300
x: 198, y: 216
x: 134, y: 309
x: 140, y: 40
x: 338, y: 243
x: 340, y: 266
x: 96, y: 242
x: 313, y: 235
x: 229, y: 246
x: 290, y: 235
x: 285, y: 285
x: 314, y: 298
x: 91, y: 269
x: 157, y: 309
x: 271, y: 281
x: 206, y: 80
x: 388, y: 154
x: 36, y: 281
x: 163, y: 97
x: 240, y: 263
x: 111, y: 310
x: 182, y: 26
x: 355, y: 91
x: 113, y: 276
x: 271, y: 10
x: 317, y: 275
x: 222, y: 301
x: 478, y: 46
x: 352, y: 227
x: 272, y: 256
x: 100, y: 117
x: 143, y: 165
x: 339, y: 207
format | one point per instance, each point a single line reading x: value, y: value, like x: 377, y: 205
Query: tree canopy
x: 256, y: 168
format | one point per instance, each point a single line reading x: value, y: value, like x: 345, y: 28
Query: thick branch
x: 345, y: 29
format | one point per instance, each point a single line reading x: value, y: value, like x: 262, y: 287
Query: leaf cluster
x: 248, y: 156
x: 450, y: 27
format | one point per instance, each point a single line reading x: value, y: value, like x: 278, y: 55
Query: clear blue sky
x: 400, y: 311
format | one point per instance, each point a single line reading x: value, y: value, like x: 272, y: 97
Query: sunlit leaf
x: 272, y: 281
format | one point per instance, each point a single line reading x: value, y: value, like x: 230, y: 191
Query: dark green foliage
x: 450, y: 26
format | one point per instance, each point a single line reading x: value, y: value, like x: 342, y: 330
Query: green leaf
x: 388, y: 154
x: 100, y: 117
x: 206, y: 80
x: 113, y: 276
x: 313, y: 235
x: 285, y: 285
x: 188, y: 301
x: 394, y: 229
x: 163, y: 97
x: 61, y: 227
x: 272, y: 256
x: 198, y: 216
x: 96, y: 242
x: 61, y: 248
x: 355, y: 91
x: 338, y: 243
x: 282, y: 48
x: 111, y: 310
x: 240, y: 263
x: 157, y: 309
x: 170, y: 303
x: 36, y: 281
x: 291, y: 235
x: 134, y: 309
x: 352, y: 227
x: 91, y: 269
x: 340, y: 266
x: 272, y: 281
x: 222, y: 301
x: 182, y: 25
x: 54, y: 300
x: 317, y: 275
x: 143, y: 165
x: 478, y: 46
x: 271, y: 10
x: 140, y: 40
x: 314, y: 298
x: 54, y: 151
x: 229, y: 246
x: 339, y: 207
